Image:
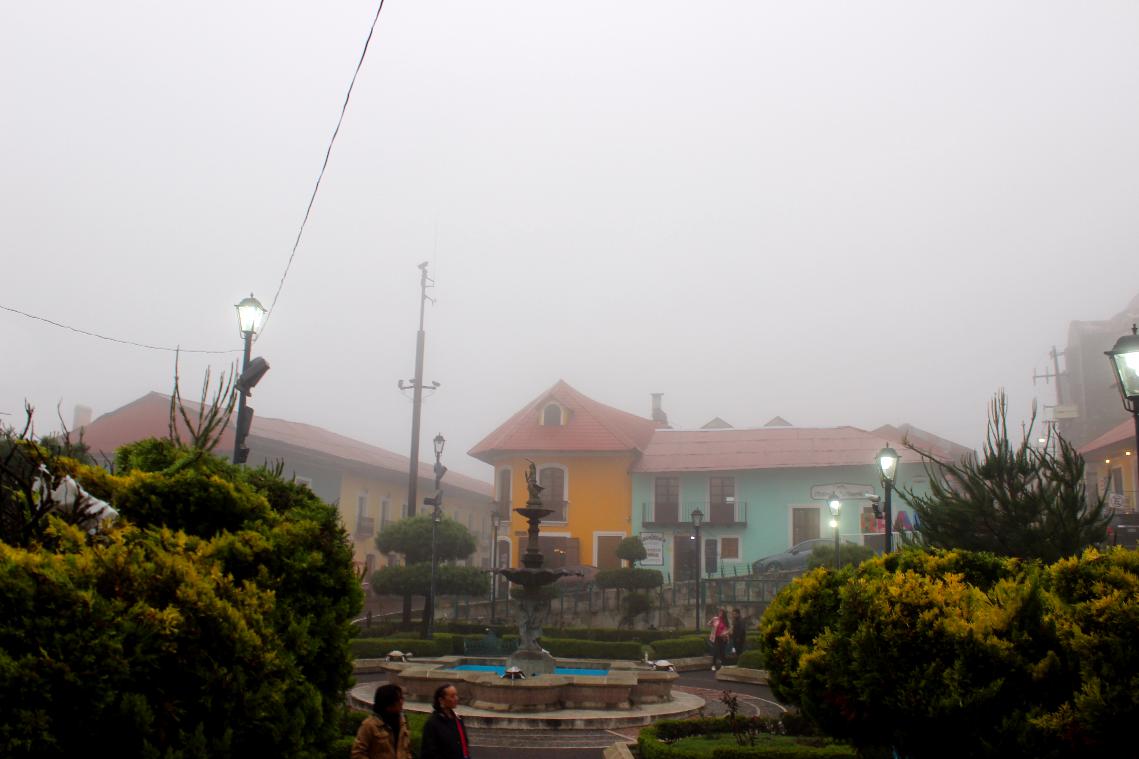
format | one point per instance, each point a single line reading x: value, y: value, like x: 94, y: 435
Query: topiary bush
x: 680, y: 648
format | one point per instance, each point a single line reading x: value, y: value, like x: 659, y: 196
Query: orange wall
x: 600, y: 494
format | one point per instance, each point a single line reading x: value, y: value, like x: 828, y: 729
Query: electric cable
x: 327, y: 156
x: 111, y: 339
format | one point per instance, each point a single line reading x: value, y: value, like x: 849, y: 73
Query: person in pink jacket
x: 718, y: 637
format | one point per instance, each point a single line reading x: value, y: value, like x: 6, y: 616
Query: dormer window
x: 552, y: 415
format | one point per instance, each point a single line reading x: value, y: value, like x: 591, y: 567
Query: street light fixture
x: 436, y: 501
x: 495, y: 521
x: 888, y: 470
x: 835, y: 507
x: 1124, y: 359
x: 250, y: 317
x: 697, y: 520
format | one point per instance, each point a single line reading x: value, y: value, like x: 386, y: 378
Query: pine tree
x: 1024, y: 501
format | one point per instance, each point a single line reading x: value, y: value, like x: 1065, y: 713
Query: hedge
x: 751, y: 659
x: 681, y: 648
x: 779, y: 740
x: 377, y: 648
x: 592, y: 649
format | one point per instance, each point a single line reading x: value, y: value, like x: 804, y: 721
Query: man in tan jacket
x: 384, y: 735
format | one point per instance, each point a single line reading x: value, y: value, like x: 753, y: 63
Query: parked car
x: 794, y: 559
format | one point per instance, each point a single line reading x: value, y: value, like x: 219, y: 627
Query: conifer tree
x: 1014, y: 500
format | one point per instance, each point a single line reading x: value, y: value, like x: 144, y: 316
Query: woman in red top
x: 718, y: 637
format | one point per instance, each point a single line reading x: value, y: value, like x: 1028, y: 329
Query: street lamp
x: 495, y: 521
x: 697, y: 520
x: 1124, y: 359
x: 835, y: 507
x: 250, y: 316
x: 436, y: 501
x: 888, y: 469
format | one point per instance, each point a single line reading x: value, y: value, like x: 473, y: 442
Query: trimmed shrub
x: 774, y: 738
x: 592, y: 649
x: 680, y: 648
x: 751, y: 660
x: 629, y: 579
x: 377, y: 648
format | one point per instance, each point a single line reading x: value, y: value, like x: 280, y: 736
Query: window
x: 729, y: 548
x: 722, y: 500
x: 553, y: 481
x: 804, y: 524
x: 369, y: 566
x: 384, y: 511
x: 403, y: 511
x: 361, y: 506
x: 1117, y: 480
x: 552, y: 415
x: 666, y: 500
x: 504, y: 495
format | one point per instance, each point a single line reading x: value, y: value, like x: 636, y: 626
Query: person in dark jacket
x: 444, y: 735
x: 739, y: 632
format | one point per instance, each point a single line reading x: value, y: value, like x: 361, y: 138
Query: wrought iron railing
x: 716, y: 514
x: 365, y: 527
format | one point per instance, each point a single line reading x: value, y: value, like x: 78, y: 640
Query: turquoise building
x: 764, y: 490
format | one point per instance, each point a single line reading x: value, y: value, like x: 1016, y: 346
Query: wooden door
x: 606, y: 557
x: 804, y: 524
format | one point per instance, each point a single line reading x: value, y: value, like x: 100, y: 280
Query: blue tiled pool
x: 502, y: 670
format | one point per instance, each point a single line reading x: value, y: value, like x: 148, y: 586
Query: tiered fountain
x: 533, y: 604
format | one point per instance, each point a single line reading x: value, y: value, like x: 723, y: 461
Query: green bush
x: 568, y: 648
x: 751, y: 660
x: 629, y: 579
x: 674, y: 739
x: 946, y: 652
x: 680, y: 648
x: 377, y: 648
x: 848, y: 553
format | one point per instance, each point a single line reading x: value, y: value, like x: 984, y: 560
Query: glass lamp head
x: 250, y: 315
x: 888, y: 464
x: 1124, y: 359
x: 697, y: 517
x: 440, y: 442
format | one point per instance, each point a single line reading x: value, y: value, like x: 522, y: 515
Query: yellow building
x: 368, y: 484
x: 583, y: 452
x: 1111, y: 467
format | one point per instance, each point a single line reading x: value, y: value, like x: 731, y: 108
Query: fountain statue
x: 533, y: 603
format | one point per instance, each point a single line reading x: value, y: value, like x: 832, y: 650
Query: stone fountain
x: 533, y: 602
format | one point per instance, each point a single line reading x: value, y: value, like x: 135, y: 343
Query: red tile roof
x: 149, y: 417
x: 592, y: 427
x: 1122, y: 432
x: 765, y: 448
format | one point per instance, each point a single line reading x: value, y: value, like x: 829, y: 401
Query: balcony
x: 730, y: 514
x: 365, y: 527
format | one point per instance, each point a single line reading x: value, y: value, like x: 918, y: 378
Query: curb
x: 742, y: 675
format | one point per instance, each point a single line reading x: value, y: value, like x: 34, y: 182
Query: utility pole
x: 416, y: 385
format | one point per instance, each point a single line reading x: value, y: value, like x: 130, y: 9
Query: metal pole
x: 836, y: 541
x: 238, y: 438
x: 493, y: 576
x: 434, y: 559
x: 1135, y: 494
x: 889, y: 517
x: 699, y: 573
x: 417, y: 396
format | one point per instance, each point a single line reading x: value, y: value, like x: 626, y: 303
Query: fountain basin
x: 615, y: 690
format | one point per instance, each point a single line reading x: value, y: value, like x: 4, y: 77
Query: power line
x: 110, y: 339
x: 327, y: 155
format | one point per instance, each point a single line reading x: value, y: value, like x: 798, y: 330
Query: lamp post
x: 1124, y: 359
x: 697, y: 520
x: 436, y: 501
x: 250, y: 315
x: 836, y: 508
x: 888, y: 469
x: 495, y: 521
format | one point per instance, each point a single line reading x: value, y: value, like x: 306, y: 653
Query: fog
x: 839, y: 213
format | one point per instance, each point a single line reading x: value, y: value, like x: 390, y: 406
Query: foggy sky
x: 840, y: 213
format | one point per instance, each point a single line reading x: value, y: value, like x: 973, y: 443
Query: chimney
x: 659, y: 416
x: 81, y: 417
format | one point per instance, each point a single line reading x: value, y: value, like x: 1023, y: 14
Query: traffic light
x: 251, y: 376
x: 244, y: 422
